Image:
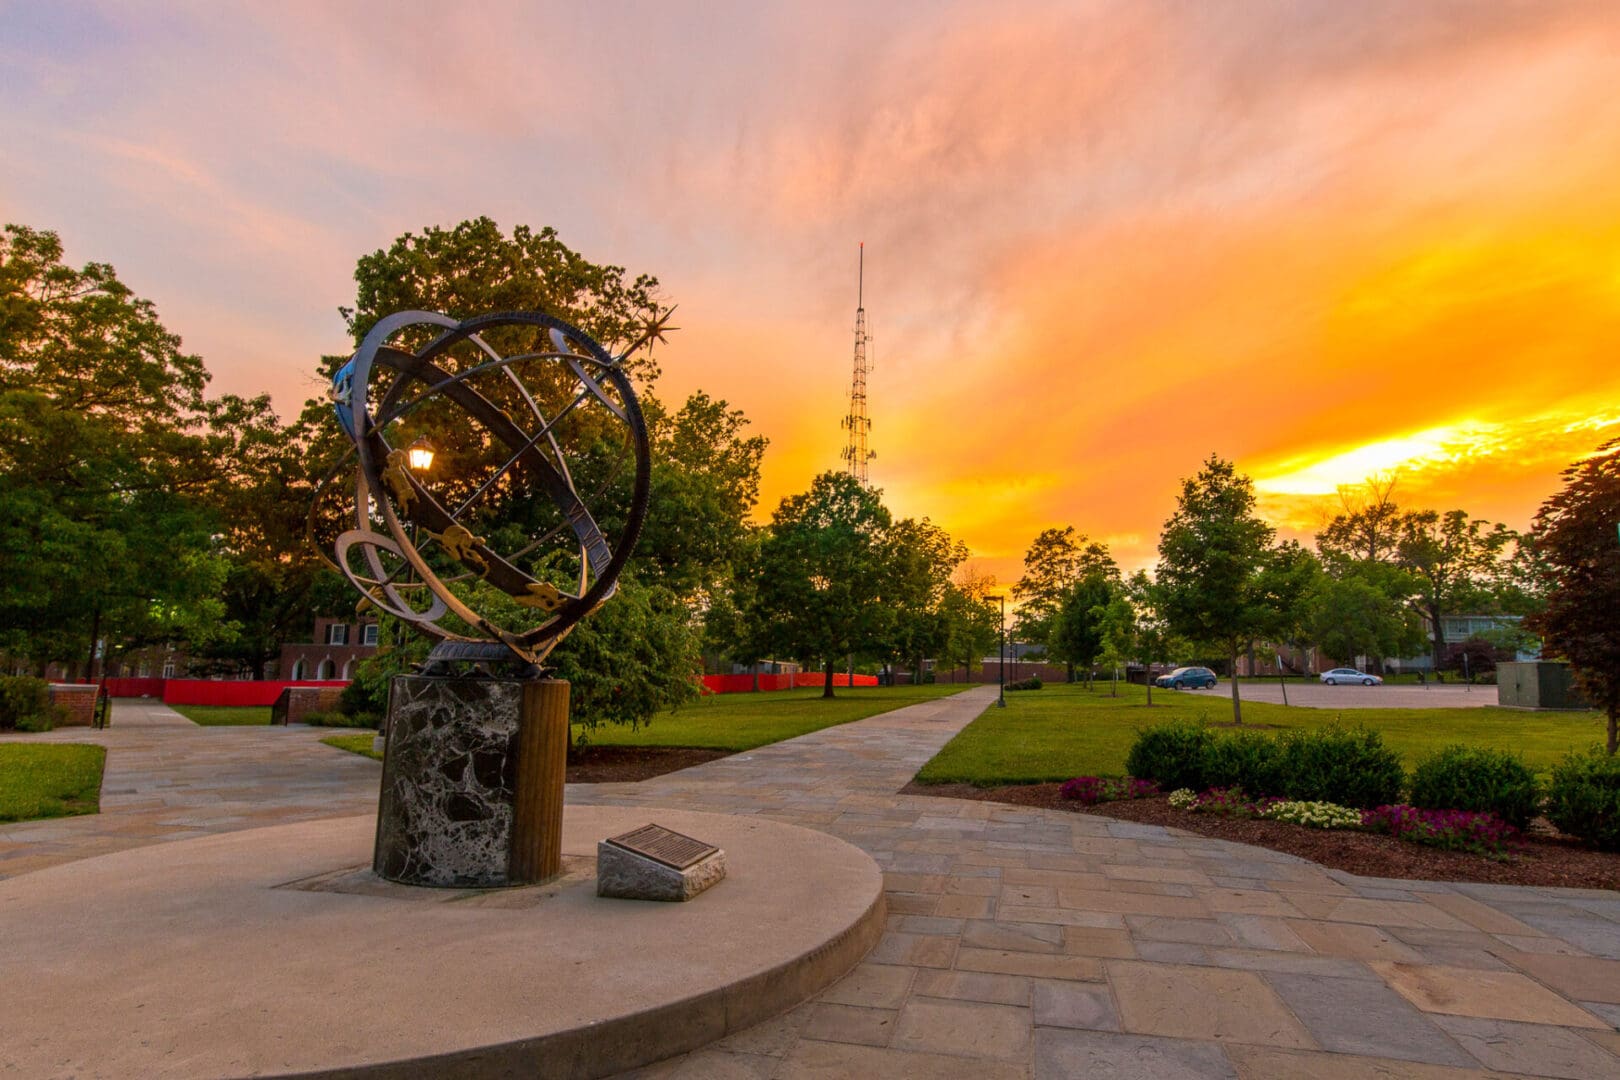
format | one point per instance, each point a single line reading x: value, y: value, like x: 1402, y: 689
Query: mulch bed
x: 627, y: 764
x: 1544, y: 857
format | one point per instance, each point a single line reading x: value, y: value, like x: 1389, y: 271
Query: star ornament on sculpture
x: 485, y: 454
x: 653, y: 330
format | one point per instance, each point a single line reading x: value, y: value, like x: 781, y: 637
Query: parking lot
x: 1315, y: 695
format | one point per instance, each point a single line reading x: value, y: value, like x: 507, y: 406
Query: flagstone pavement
x: 1021, y: 942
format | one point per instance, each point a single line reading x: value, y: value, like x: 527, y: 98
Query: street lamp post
x: 419, y: 455
x: 1001, y: 667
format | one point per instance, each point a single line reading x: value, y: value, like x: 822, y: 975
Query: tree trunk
x: 1439, y: 638
x: 1147, y: 673
x: 1237, y: 704
x: 1614, y: 731
x: 756, y: 678
x: 1071, y: 671
x: 258, y: 669
x: 95, y: 635
x: 826, y: 688
x: 1113, y: 688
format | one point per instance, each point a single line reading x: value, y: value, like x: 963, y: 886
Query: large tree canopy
x: 1577, y: 537
x: 106, y: 464
x: 822, y: 574
x: 1221, y: 582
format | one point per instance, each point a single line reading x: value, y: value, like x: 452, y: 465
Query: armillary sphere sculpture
x: 525, y: 412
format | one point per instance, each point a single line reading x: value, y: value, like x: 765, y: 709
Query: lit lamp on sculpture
x: 482, y: 541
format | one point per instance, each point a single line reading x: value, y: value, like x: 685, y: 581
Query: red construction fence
x: 212, y: 691
x: 742, y: 684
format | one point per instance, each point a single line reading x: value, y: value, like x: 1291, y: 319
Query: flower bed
x: 1460, y: 830
x: 1540, y: 858
x: 1091, y: 790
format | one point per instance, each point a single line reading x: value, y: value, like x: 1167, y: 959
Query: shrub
x: 1348, y: 766
x: 1172, y: 754
x: 1183, y: 799
x: 1475, y: 778
x: 1248, y: 760
x: 1315, y: 815
x: 1031, y: 683
x: 1091, y: 790
x: 333, y: 718
x: 25, y: 704
x: 1460, y: 830
x: 1583, y: 798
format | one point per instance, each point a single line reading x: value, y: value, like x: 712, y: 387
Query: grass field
x: 1064, y: 731
x: 744, y: 721
x: 355, y: 744
x: 49, y: 780
x: 224, y: 715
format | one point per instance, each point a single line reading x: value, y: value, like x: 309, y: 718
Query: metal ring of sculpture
x: 387, y: 493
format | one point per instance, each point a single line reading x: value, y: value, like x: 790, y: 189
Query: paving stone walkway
x: 1027, y: 942
x: 169, y: 779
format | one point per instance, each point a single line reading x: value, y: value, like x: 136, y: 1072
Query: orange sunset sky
x: 1103, y: 239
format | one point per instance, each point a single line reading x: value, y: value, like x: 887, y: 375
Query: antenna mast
x: 857, y: 423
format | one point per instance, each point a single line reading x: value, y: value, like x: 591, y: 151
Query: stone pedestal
x: 472, y: 788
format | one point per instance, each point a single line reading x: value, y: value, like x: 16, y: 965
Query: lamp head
x: 420, y: 455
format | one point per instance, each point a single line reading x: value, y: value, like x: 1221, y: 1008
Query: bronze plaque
x: 661, y: 845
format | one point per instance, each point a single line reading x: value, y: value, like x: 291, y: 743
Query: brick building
x: 335, y: 648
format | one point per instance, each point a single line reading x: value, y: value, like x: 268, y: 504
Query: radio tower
x: 857, y: 423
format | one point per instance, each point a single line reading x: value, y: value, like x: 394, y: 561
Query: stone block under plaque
x: 655, y: 863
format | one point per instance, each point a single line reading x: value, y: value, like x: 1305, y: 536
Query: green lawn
x: 49, y: 780
x: 355, y: 744
x: 224, y: 715
x: 744, y: 721
x: 1063, y: 731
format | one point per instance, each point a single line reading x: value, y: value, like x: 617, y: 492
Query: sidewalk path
x: 1039, y: 943
x: 169, y: 779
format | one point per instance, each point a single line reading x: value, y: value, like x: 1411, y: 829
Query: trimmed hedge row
x: 1348, y: 766
x: 1353, y: 767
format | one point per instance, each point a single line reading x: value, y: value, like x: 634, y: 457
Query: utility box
x: 1537, y: 684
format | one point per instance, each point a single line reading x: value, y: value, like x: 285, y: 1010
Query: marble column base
x: 469, y: 769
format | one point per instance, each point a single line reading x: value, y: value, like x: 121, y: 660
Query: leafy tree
x: 921, y: 558
x: 261, y: 494
x: 1450, y: 561
x: 972, y: 626
x: 105, y: 528
x: 705, y: 483
x: 1353, y: 613
x: 1077, y: 636
x: 474, y: 268
x: 1452, y: 558
x: 823, y: 575
x: 1055, y: 561
x: 1220, y: 580
x: 1368, y: 527
x: 1575, y: 537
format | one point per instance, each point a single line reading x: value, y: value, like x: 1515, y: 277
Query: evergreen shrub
x: 1477, y: 779
x: 1583, y: 798
x: 25, y: 704
x: 1343, y: 765
x: 1249, y: 760
x: 1171, y: 753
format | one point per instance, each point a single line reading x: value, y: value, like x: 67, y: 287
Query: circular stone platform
x: 275, y: 951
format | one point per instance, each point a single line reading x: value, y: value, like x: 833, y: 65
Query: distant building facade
x: 335, y: 648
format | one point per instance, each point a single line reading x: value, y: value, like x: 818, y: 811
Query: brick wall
x: 297, y: 702
x: 76, y: 704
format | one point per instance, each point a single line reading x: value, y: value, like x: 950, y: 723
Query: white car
x: 1350, y: 675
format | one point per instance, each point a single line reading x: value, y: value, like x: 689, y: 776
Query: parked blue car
x: 1187, y: 678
